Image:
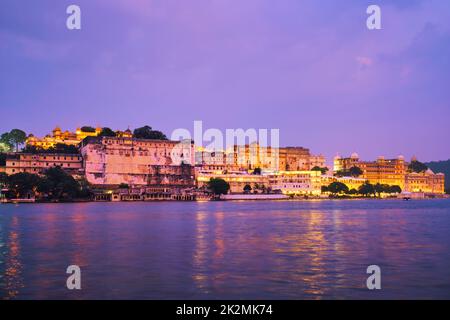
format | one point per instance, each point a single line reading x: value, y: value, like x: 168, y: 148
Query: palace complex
x: 172, y: 167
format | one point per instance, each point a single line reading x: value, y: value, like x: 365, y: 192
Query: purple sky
x: 310, y: 68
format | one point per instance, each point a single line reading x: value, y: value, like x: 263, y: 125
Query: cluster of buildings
x: 394, y: 172
x: 125, y: 168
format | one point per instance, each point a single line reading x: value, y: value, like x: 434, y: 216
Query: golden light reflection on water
x: 221, y: 250
x: 201, y: 251
x: 13, y: 280
x: 208, y: 257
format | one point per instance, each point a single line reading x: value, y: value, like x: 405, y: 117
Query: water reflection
x: 12, y: 278
x: 226, y: 250
x: 200, y: 256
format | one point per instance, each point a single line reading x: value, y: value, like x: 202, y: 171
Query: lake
x: 226, y: 250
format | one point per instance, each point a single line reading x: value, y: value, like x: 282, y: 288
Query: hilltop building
x: 61, y: 137
x: 110, y: 161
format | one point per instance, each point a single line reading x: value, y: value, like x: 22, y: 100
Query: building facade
x: 393, y: 172
x: 110, y: 161
x: 61, y: 137
x: 237, y: 181
x: 252, y: 156
x: 38, y: 163
x: 425, y: 182
x: 296, y: 182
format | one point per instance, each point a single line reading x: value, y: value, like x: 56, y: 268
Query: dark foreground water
x: 226, y: 250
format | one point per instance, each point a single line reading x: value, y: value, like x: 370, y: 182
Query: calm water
x: 226, y: 250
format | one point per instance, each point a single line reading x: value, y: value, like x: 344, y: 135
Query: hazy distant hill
x: 441, y: 166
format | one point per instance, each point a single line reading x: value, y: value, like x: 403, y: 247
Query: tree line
x: 145, y: 132
x: 53, y: 185
x: 366, y: 190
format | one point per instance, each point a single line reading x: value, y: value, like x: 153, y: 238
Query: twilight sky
x: 310, y: 68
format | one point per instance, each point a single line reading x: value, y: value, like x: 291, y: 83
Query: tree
x: 85, y: 191
x: 337, y: 188
x: 65, y: 148
x: 218, y: 186
x: 107, y: 132
x: 58, y: 185
x: 257, y: 171
x: 323, y: 170
x: 341, y: 173
x: 417, y: 166
x: 394, y: 189
x: 366, y: 189
x: 146, y: 132
x: 58, y: 148
x: 355, y: 171
x: 124, y: 186
x: 23, y: 183
x: 3, y: 179
x: 5, y: 143
x: 381, y: 188
x: 353, y: 191
x: 87, y: 129
x: 247, y: 188
x: 324, y: 189
x: 2, y: 159
x: 17, y: 137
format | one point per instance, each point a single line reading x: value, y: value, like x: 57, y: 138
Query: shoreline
x: 445, y: 197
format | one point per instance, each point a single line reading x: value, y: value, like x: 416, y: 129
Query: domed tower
x: 57, y: 132
x: 127, y: 133
x: 354, y: 156
x: 337, y: 163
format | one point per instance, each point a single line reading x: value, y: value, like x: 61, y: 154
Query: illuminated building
x: 61, y: 137
x: 393, y: 172
x: 382, y: 171
x: 38, y: 163
x: 251, y: 156
x: 296, y: 182
x: 426, y: 182
x: 294, y: 159
x: 317, y: 161
x: 286, y: 182
x: 110, y: 161
x: 237, y: 181
x: 350, y: 182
